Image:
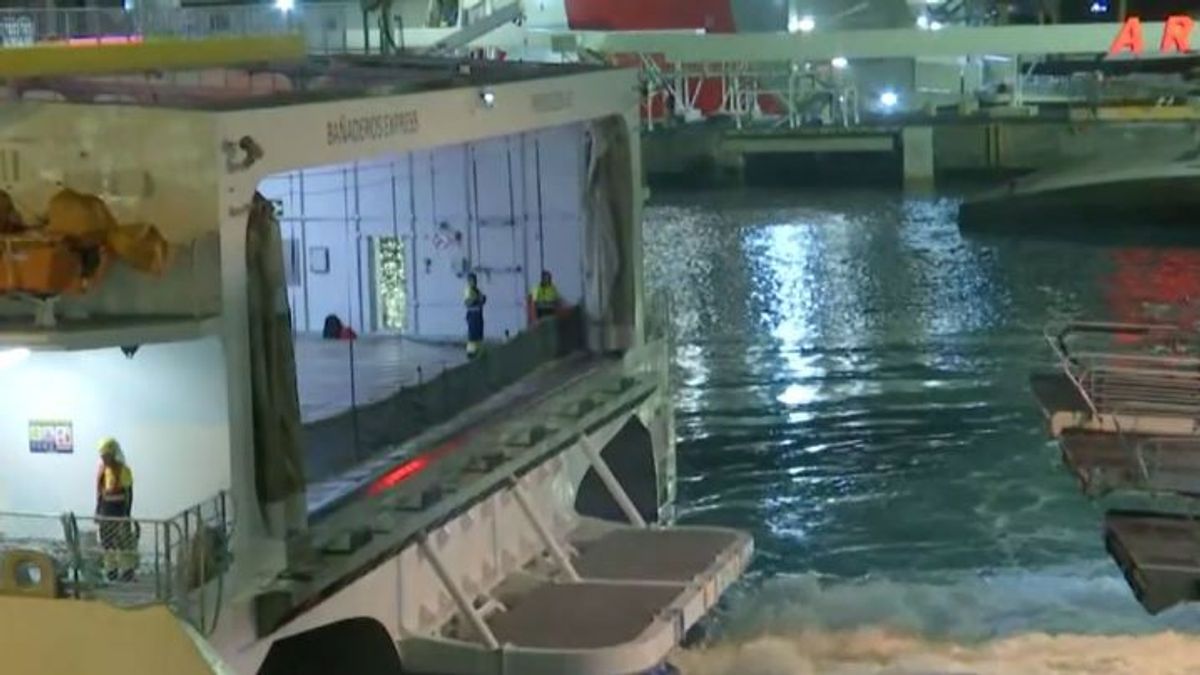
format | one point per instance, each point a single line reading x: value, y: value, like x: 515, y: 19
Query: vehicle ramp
x: 618, y: 599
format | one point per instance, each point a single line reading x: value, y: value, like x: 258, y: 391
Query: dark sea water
x: 851, y: 386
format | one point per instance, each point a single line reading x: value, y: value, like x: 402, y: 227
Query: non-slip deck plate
x: 657, y: 555
x: 586, y: 615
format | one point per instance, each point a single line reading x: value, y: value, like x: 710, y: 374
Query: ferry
x: 182, y: 221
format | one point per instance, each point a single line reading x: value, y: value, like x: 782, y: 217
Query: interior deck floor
x: 335, y: 375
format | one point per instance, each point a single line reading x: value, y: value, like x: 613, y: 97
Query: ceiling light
x: 802, y: 24
x: 285, y: 5
x: 839, y: 62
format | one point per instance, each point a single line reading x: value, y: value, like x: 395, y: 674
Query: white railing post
x: 560, y: 556
x: 610, y: 481
x: 456, y: 593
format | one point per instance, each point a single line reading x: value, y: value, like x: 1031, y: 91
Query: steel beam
x: 865, y: 44
x: 154, y: 54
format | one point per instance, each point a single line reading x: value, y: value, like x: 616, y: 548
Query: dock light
x: 488, y: 98
x: 11, y: 357
x: 839, y: 62
x: 925, y: 23
x: 889, y: 99
x: 802, y: 24
x: 285, y: 5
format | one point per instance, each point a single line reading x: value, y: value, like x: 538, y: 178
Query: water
x: 851, y: 376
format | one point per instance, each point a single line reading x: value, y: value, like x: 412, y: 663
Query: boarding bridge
x: 1123, y: 403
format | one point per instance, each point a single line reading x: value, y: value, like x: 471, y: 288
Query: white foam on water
x: 878, y: 651
x: 1069, y: 620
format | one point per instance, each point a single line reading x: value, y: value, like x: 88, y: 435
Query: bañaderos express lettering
x: 1176, y: 37
x: 371, y: 127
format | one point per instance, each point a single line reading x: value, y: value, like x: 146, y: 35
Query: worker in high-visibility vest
x: 544, y: 298
x: 474, y: 300
x: 114, y: 508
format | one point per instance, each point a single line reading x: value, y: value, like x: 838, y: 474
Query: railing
x: 1150, y: 452
x: 23, y: 27
x: 132, y: 561
x: 1134, y: 379
x: 339, y: 442
x: 784, y: 93
x: 1091, y: 90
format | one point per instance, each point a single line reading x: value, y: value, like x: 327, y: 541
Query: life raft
x: 73, y: 250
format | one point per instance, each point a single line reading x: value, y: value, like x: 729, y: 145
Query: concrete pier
x: 919, y: 161
x: 922, y: 153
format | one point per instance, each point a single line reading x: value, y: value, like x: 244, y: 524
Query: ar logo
x: 1176, y: 37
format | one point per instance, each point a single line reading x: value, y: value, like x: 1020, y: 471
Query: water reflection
x: 851, y: 380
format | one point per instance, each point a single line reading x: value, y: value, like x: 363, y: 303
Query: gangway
x: 1124, y: 404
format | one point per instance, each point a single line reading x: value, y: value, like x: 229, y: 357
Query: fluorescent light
x: 11, y: 357
x: 889, y: 99
x: 839, y: 62
x: 802, y: 24
x: 285, y: 5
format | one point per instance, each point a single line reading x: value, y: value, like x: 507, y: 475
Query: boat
x: 1155, y: 186
x: 1123, y: 402
x: 372, y: 505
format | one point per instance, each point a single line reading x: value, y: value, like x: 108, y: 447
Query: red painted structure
x: 707, y: 94
x: 715, y: 16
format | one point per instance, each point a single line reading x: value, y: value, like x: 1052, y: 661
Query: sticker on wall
x: 51, y: 437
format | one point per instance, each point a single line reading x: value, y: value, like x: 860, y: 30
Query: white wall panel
x: 375, y: 205
x: 561, y: 151
x: 499, y: 237
x: 495, y: 207
x: 166, y: 406
x: 326, y: 201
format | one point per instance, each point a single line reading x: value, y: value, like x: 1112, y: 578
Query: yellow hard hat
x: 109, y: 446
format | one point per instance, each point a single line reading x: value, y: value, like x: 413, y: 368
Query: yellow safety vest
x: 114, y: 482
x: 545, y: 296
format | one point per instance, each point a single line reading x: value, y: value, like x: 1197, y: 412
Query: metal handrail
x: 29, y: 26
x: 1110, y: 381
x: 170, y: 561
